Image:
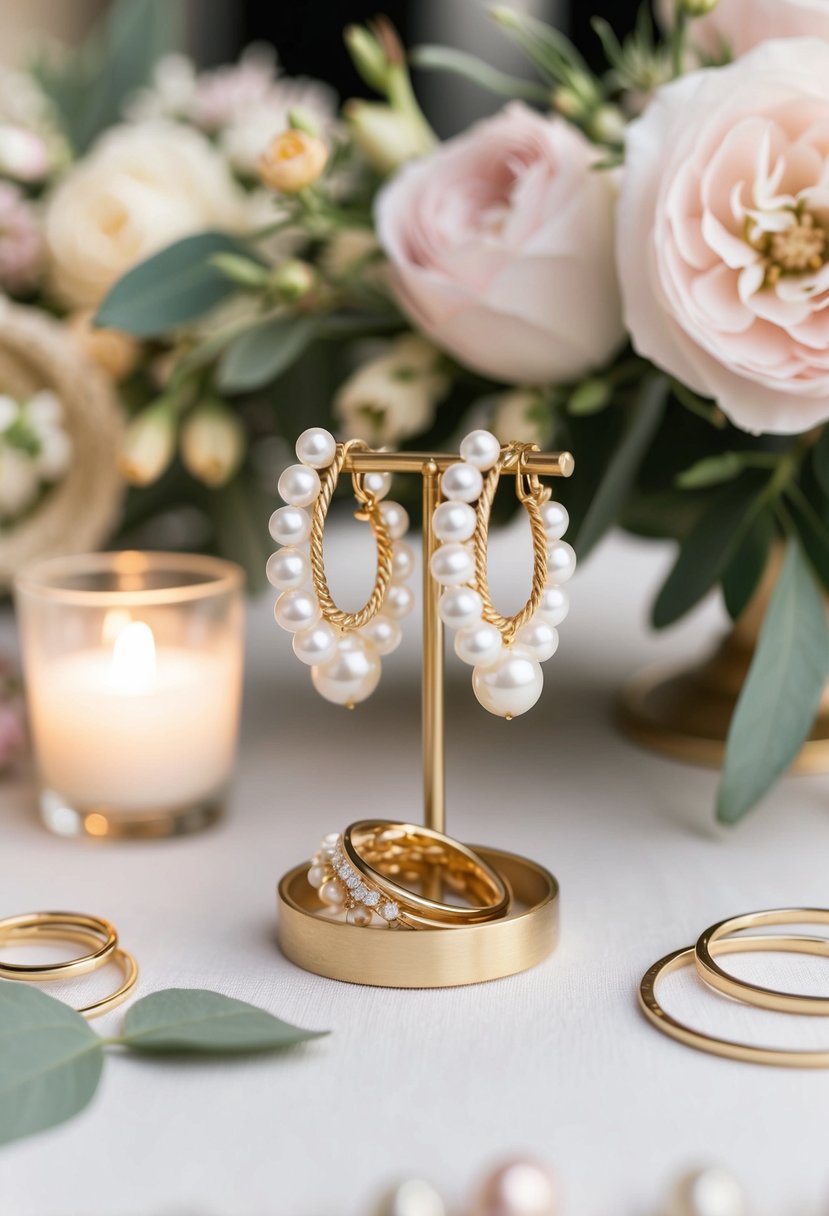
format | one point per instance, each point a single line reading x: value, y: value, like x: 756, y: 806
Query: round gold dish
x: 385, y: 958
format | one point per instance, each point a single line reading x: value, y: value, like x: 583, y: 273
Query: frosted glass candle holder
x: 133, y: 672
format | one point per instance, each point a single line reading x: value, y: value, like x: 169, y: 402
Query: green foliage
x: 746, y: 565
x: 196, y: 1020
x: 781, y: 693
x: 820, y: 460
x: 470, y: 67
x: 264, y: 352
x: 174, y: 286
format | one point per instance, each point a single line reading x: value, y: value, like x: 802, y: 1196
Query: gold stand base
x: 685, y: 714
x: 430, y: 958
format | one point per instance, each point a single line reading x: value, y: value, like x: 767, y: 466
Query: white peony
x: 140, y: 188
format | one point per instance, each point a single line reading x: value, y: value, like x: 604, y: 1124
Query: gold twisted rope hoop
x: 370, y: 512
x: 532, y: 496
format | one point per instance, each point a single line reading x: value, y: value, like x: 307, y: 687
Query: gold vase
x: 686, y: 713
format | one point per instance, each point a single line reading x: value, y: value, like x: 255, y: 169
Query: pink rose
x: 743, y: 24
x: 722, y: 237
x: 500, y: 244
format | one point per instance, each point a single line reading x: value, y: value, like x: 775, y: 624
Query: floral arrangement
x: 632, y: 264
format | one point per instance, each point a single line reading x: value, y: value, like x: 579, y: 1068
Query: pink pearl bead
x: 517, y: 1188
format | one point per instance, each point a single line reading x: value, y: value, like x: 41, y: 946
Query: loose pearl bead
x: 413, y: 1197
x: 287, y: 569
x: 290, y: 526
x: 399, y: 601
x: 460, y: 606
x: 453, y: 522
x: 511, y: 685
x: 383, y: 632
x: 377, y: 484
x: 352, y: 674
x: 711, y: 1192
x: 553, y: 605
x: 481, y: 448
x: 299, y: 485
x: 519, y: 1188
x: 332, y: 894
x: 555, y: 519
x: 396, y: 519
x: 452, y: 565
x: 561, y: 563
x: 315, y: 645
x: 316, y: 876
x: 478, y: 645
x: 316, y: 447
x: 539, y: 637
x: 359, y: 916
x: 462, y: 482
x: 402, y: 561
x: 330, y: 841
x: 296, y: 610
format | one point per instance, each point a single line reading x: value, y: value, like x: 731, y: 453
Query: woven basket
x: 79, y: 512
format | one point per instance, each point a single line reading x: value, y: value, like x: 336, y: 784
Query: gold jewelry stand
x: 441, y: 958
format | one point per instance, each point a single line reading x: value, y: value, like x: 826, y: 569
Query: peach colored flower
x: 722, y: 244
x: 500, y: 244
x: 292, y: 161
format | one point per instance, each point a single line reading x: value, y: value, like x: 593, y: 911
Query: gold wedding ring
x: 754, y: 994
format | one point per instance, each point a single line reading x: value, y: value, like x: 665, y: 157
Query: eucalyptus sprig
x: 51, y: 1060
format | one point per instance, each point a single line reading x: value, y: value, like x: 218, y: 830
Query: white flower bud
x: 386, y: 137
x: 149, y: 445
x: 213, y: 443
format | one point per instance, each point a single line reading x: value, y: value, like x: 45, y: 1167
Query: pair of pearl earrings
x: 505, y: 653
x: 343, y: 649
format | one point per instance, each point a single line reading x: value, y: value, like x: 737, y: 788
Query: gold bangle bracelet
x: 381, y: 852
x: 754, y: 994
x: 727, y: 1048
x: 33, y: 924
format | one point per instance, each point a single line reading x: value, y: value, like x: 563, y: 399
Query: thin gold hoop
x: 370, y: 512
x: 47, y: 926
x: 532, y: 495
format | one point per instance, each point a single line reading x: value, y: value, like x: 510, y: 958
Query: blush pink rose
x: 722, y: 242
x: 501, y: 249
x: 743, y: 24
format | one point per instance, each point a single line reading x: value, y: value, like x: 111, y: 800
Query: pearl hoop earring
x: 343, y: 649
x: 505, y: 653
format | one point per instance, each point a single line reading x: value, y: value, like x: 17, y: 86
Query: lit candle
x: 139, y: 728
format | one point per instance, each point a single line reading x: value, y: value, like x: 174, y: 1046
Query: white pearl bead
x: 396, y: 519
x: 481, y: 448
x: 333, y: 894
x: 478, y: 645
x: 414, y: 1197
x: 462, y: 482
x: 709, y: 1192
x: 399, y: 601
x: 316, y: 645
x: 553, y: 605
x: 316, y: 447
x: 555, y: 518
x: 383, y: 632
x: 299, y: 485
x: 290, y: 526
x: 359, y: 916
x: 330, y: 841
x: 460, y: 606
x: 518, y: 1188
x: 296, y: 610
x: 452, y: 565
x: 511, y: 685
x: 377, y: 484
x: 287, y: 569
x: 352, y: 674
x: 561, y: 563
x: 539, y: 637
x: 453, y: 522
x: 402, y: 561
x: 316, y: 876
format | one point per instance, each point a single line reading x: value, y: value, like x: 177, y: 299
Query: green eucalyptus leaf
x: 820, y: 460
x: 620, y: 473
x: 195, y: 1020
x: 172, y: 287
x: 711, y: 471
x: 461, y: 63
x: 50, y: 1061
x: 781, y: 693
x: 707, y: 549
x: 813, y: 533
x: 744, y: 569
x: 264, y: 352
x: 590, y: 397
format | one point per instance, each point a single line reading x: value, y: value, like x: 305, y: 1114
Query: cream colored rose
x: 140, y: 188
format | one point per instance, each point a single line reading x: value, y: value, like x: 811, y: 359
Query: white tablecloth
x: 556, y: 1062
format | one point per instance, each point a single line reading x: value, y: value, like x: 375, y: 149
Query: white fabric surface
x: 556, y: 1062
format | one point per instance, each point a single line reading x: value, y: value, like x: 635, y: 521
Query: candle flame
x: 133, y: 658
